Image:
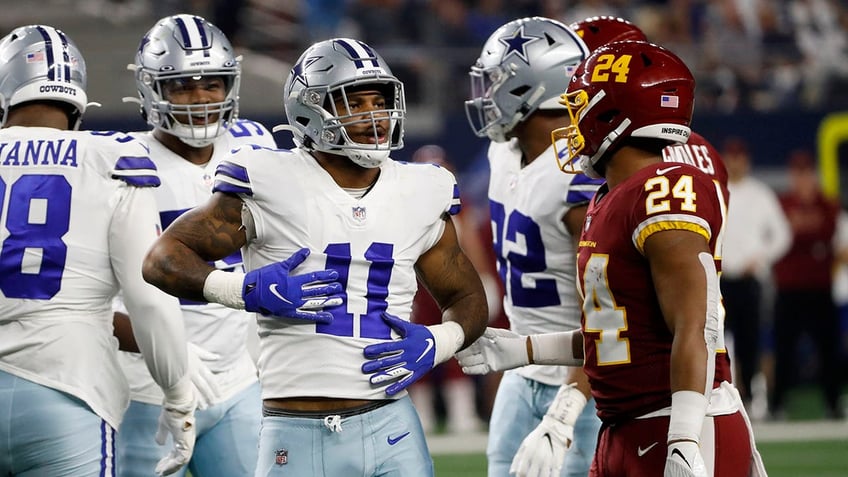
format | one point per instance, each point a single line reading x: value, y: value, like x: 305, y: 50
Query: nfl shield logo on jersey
x: 358, y: 214
x: 281, y: 456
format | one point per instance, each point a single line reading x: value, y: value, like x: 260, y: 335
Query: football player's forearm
x: 472, y: 313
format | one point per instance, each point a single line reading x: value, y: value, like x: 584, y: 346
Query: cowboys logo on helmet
x: 525, y: 65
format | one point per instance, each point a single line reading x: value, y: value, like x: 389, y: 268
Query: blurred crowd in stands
x: 746, y: 54
x: 758, y: 55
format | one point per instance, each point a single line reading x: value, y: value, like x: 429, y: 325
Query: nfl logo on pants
x: 281, y: 456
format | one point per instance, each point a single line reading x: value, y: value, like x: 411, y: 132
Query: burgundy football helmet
x: 624, y: 89
x: 603, y: 30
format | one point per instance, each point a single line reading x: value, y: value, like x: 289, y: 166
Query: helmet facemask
x: 188, y: 122
x: 380, y: 125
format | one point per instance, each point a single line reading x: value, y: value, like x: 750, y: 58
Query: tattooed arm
x: 178, y: 261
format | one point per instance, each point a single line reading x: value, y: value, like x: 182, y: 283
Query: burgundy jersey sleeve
x: 627, y: 343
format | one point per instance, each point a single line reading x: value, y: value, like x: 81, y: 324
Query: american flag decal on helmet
x: 668, y: 101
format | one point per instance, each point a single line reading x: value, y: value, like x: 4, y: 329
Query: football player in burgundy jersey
x: 647, y: 264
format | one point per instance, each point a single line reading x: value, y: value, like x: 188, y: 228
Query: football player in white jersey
x: 536, y: 218
x: 77, y: 216
x: 187, y: 77
x: 339, y: 202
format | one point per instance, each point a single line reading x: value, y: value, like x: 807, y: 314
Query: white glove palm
x: 542, y: 453
x: 684, y: 460
x: 498, y: 349
x: 176, y: 420
x: 205, y: 387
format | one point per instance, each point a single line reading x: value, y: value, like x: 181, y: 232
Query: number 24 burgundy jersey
x: 627, y: 343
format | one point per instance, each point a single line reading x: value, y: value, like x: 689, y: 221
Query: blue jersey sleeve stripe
x: 128, y: 163
x: 579, y: 196
x: 456, y: 204
x: 232, y: 178
x: 234, y: 171
x: 582, y: 179
x: 139, y: 180
x: 581, y: 189
x: 139, y: 171
x: 223, y: 186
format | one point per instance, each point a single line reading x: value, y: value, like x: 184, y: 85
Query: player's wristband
x: 554, y: 348
x: 447, y: 339
x: 687, y: 416
x: 224, y: 288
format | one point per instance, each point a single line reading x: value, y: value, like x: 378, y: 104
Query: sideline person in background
x: 804, y: 282
x: 756, y: 236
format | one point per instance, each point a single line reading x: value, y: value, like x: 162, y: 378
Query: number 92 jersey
x: 373, y: 242
x: 627, y: 343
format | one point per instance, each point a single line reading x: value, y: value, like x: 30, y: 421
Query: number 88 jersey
x: 626, y: 339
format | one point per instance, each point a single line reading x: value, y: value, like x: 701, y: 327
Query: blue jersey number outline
x: 514, y: 265
x: 33, y: 230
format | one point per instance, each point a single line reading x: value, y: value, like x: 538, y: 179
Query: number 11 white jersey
x: 373, y: 243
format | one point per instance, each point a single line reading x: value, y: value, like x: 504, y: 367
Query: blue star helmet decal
x: 298, y: 71
x: 517, y: 44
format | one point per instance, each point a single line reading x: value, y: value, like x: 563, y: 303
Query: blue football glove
x: 273, y: 290
x: 405, y: 360
x: 419, y: 350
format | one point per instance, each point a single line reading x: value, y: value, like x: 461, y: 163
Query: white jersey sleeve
x: 373, y: 242
x: 534, y: 250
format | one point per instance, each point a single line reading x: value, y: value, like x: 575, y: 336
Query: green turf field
x: 782, y: 459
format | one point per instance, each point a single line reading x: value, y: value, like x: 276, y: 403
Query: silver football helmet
x: 525, y: 65
x: 183, y: 47
x: 327, y: 72
x: 38, y: 63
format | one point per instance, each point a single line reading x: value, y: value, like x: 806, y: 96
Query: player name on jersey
x: 61, y: 152
x: 697, y: 155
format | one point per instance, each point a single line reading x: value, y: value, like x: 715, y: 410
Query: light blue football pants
x: 384, y: 442
x: 227, y: 438
x: 520, y: 404
x: 47, y: 432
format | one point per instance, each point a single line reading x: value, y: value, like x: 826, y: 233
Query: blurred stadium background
x: 775, y: 72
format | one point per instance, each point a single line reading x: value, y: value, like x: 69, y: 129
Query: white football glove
x: 684, y: 460
x: 205, y: 387
x: 497, y: 350
x: 542, y: 453
x: 176, y: 420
